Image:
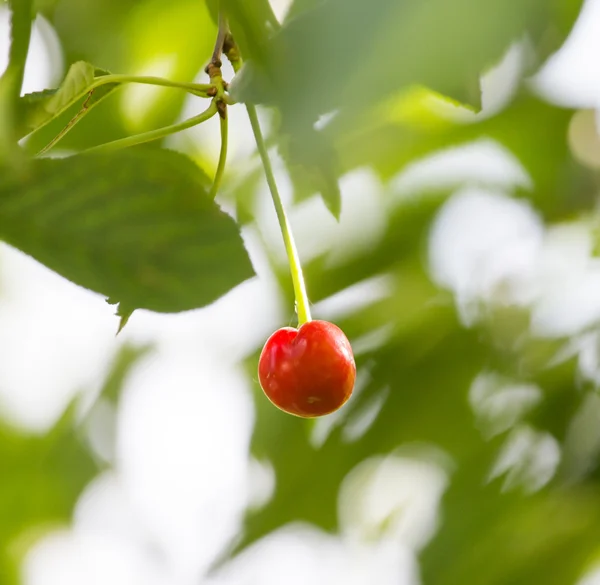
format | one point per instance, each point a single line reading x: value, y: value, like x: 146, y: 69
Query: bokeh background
x: 463, y: 268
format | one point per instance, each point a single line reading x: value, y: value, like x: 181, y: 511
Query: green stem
x: 222, y: 157
x: 200, y: 89
x: 288, y: 239
x: 153, y: 134
x: 221, y: 34
x: 11, y: 81
x: 76, y: 118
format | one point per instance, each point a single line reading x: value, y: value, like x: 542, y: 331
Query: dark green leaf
x: 136, y: 226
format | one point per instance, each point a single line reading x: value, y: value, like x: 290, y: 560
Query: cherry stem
x: 153, y: 134
x: 223, y: 30
x: 222, y: 157
x: 199, y: 89
x: 302, y: 304
x: 232, y: 52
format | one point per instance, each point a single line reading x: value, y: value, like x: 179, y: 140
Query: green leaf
x: 123, y: 312
x: 136, y: 226
x: 42, y: 107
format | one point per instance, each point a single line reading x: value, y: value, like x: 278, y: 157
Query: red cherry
x: 309, y: 371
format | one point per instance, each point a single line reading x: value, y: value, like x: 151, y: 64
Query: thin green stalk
x: 200, y: 89
x: 11, y: 81
x: 85, y: 108
x: 153, y: 134
x: 222, y: 157
x: 288, y: 238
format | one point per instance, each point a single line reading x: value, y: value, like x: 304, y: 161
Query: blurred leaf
x: 327, y: 58
x: 43, y: 475
x: 532, y: 130
x: 251, y: 23
x: 511, y: 538
x: 41, y: 479
x: 315, y: 168
x: 549, y: 35
x: 332, y: 57
x: 136, y: 226
x: 41, y: 107
x: 127, y: 357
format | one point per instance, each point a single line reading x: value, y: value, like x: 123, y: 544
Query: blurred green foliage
x: 376, y: 65
x: 43, y: 474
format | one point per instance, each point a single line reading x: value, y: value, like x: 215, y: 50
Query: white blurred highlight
x: 56, y: 340
x: 528, y: 459
x: 484, y: 246
x: 499, y: 403
x: 498, y: 87
x: 72, y: 558
x: 183, y: 441
x: 569, y: 78
x: 300, y: 554
x: 280, y: 8
x: 483, y: 162
x: 393, y: 498
x: 592, y: 577
x: 569, y: 279
x: 355, y: 297
x: 262, y: 482
x: 362, y: 223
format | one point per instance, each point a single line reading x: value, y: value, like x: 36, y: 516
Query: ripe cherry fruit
x: 308, y: 371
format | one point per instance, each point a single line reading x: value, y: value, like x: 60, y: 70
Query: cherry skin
x: 308, y: 371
